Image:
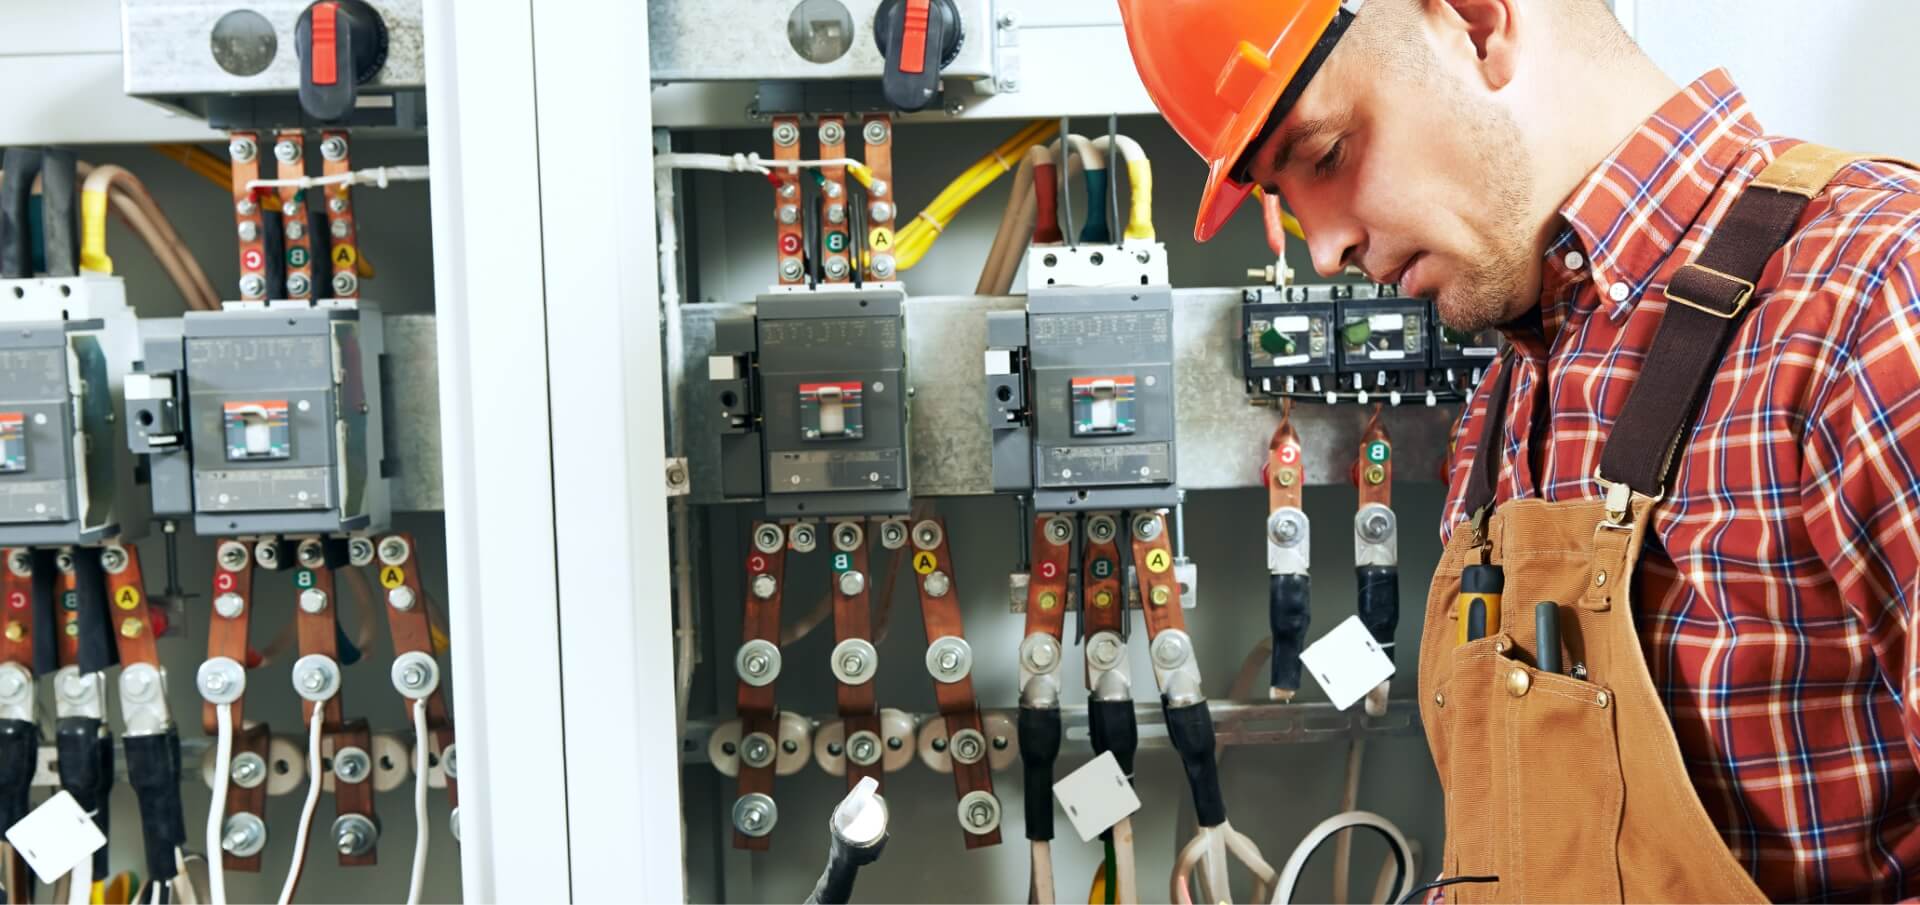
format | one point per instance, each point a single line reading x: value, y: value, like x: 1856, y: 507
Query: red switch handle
x: 913, y: 38
x: 325, y: 52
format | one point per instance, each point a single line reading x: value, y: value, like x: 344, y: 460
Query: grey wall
x: 394, y: 233
x: 1275, y: 794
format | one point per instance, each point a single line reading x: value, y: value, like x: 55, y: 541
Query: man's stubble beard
x: 1491, y: 288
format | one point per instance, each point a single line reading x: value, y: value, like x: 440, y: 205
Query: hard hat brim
x: 1300, y: 42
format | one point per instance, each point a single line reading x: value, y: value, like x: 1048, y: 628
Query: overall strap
x: 1708, y: 297
x: 1483, y: 476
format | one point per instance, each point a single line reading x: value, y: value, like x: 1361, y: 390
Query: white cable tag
x: 1096, y: 796
x: 1347, y: 663
x: 55, y: 837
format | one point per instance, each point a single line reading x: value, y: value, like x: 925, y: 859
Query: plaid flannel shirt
x: 1778, y: 597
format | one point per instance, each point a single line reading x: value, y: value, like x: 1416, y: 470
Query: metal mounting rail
x: 1234, y: 723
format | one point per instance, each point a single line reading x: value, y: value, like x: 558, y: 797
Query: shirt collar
x: 1634, y: 208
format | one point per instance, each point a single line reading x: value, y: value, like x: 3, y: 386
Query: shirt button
x: 1618, y: 292
x: 1575, y: 260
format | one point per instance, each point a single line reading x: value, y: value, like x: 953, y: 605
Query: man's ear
x: 1493, y: 28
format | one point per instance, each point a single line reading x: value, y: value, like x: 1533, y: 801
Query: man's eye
x: 1330, y: 161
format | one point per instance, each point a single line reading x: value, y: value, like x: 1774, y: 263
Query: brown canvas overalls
x: 1572, y: 790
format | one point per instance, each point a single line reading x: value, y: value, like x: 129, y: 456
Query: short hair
x: 1390, y: 31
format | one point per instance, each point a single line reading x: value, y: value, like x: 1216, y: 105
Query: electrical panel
x: 1355, y: 342
x: 359, y: 62
x: 63, y: 477
x: 1080, y: 394
x: 814, y: 398
x: 266, y: 420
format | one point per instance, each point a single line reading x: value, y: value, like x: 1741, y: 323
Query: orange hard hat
x: 1224, y: 72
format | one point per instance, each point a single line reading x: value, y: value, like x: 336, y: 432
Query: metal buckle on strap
x: 1739, y: 301
x: 1620, y: 498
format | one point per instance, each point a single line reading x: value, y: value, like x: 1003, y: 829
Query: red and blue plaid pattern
x: 1778, y: 597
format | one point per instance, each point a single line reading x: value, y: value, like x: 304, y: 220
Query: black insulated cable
x: 1038, y: 729
x: 1380, y: 603
x: 274, y: 245
x: 85, y: 752
x: 44, y: 568
x: 153, y: 769
x: 1112, y: 726
x: 95, y: 625
x: 22, y: 165
x: 60, y: 211
x: 1190, y: 728
x: 1289, y: 612
x: 19, y: 758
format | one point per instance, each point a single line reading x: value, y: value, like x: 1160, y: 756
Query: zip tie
x: 937, y: 228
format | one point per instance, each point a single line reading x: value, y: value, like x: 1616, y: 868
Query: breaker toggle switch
x: 342, y: 44
x: 830, y: 411
x: 257, y: 430
x: 1103, y: 405
x: 918, y: 38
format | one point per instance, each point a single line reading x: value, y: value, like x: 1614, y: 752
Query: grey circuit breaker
x: 265, y: 420
x: 813, y: 397
x: 60, y: 466
x: 1081, y: 398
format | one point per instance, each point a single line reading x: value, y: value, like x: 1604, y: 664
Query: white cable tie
x: 923, y: 215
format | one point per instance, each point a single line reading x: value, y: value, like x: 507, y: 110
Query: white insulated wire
x: 80, y: 883
x: 378, y: 177
x: 419, y: 878
x: 306, y: 809
x: 216, y: 810
x: 750, y: 162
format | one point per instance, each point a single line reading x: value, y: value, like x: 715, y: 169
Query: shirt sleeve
x: 1860, y: 477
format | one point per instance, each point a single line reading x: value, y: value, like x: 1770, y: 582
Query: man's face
x: 1413, y: 174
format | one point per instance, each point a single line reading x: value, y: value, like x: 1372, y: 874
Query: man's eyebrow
x: 1293, y: 136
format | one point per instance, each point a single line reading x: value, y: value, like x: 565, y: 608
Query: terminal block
x: 813, y: 401
x: 1080, y: 396
x: 1355, y: 342
x: 63, y: 478
x: 265, y: 420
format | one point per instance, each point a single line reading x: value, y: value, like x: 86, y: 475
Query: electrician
x: 1702, y: 442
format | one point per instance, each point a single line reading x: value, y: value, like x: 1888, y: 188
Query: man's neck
x: 1592, y: 113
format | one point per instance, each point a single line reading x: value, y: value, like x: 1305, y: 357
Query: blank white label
x: 1096, y: 796
x: 55, y: 837
x: 1386, y: 355
x: 1347, y: 663
x: 1387, y: 321
x: 1293, y: 323
x: 1283, y: 361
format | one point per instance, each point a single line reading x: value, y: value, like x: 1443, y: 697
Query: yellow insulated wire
x: 918, y: 236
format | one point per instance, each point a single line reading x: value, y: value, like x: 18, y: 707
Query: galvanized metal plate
x: 1222, y: 438
x: 705, y: 41
x: 168, y: 47
x: 413, y: 398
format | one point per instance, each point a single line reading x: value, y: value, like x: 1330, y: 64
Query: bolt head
x: 757, y: 664
x: 394, y: 551
x: 241, y: 149
x: 131, y: 628
x: 401, y: 598
x: 345, y: 283
x: 852, y: 664
x: 249, y: 230
x: 875, y: 132
x: 937, y: 584
x: 11, y: 684
x: 297, y: 284
x: 949, y: 660
x: 852, y: 583
x: 313, y: 600
x: 338, y: 206
x: 333, y: 148
x: 229, y: 605
x: 880, y: 211
x: 217, y: 682
x: 414, y: 676
x: 863, y: 749
x: 1161, y: 595
x: 295, y: 231
x: 286, y: 151
x: 252, y: 286
x: 764, y: 586
x: 1045, y: 655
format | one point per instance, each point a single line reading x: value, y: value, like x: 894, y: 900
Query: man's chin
x: 1467, y: 312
